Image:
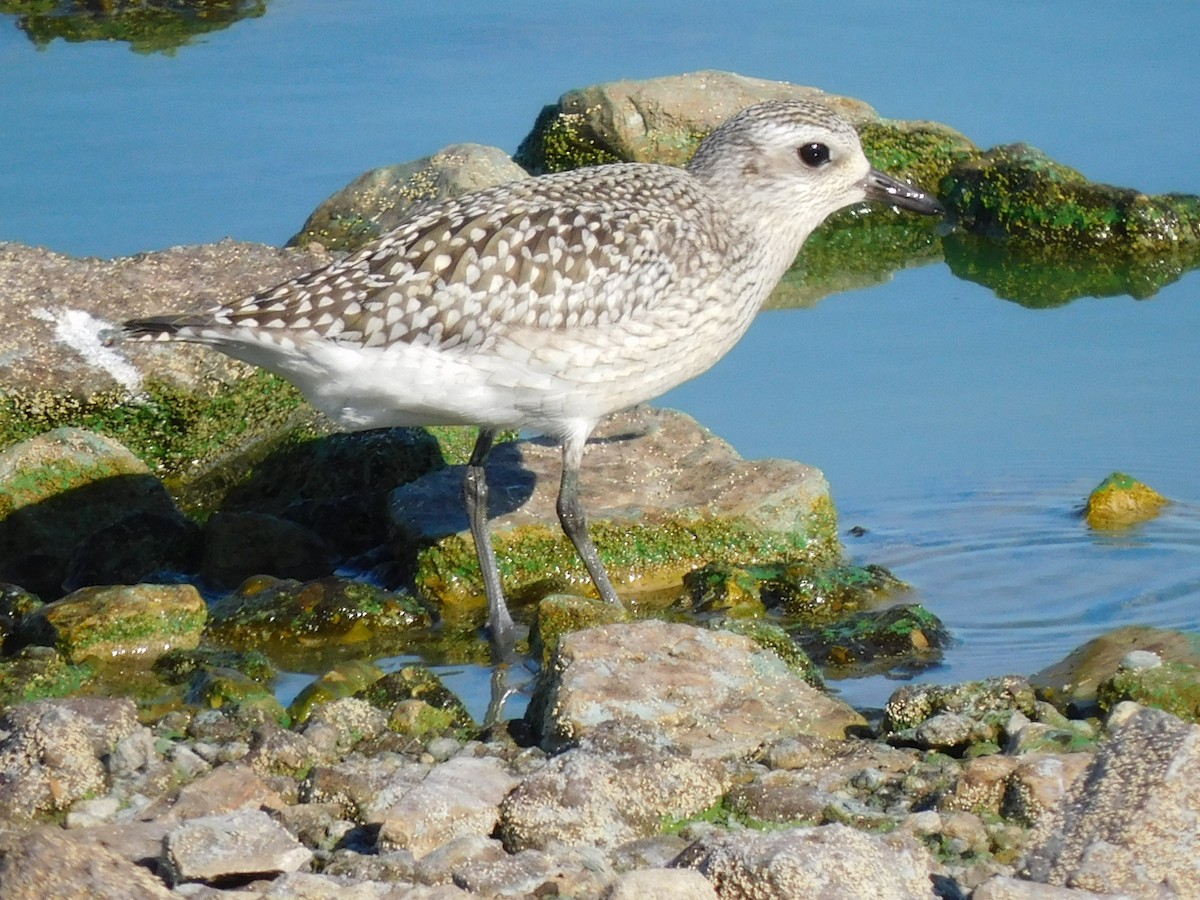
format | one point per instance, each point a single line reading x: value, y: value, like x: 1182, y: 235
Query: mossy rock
x: 36, y: 673
x: 559, y: 614
x: 906, y: 636
x: 233, y: 691
x: 1121, y: 501
x: 180, y: 666
x: 346, y: 680
x: 419, y: 703
x: 1018, y: 194
x: 120, y: 622
x: 1171, y: 686
x: 299, y: 625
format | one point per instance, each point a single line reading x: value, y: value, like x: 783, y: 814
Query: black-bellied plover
x: 547, y: 303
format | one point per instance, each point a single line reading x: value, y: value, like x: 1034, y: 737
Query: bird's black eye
x: 814, y: 155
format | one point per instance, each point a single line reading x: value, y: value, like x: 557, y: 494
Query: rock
x: 50, y: 751
x: 340, y: 682
x: 1128, y: 823
x: 459, y: 797
x: 59, y: 489
x: 667, y: 884
x: 832, y: 861
x: 235, y: 844
x: 240, y: 545
x: 379, y: 200
x: 286, y: 618
x: 139, y: 622
x: 1071, y: 684
x: 663, y: 496
x: 618, y: 786
x: 398, y: 692
x: 658, y: 120
x: 1173, y: 687
x: 222, y: 790
x: 710, y: 693
x: 1018, y: 193
x: 1121, y: 501
x: 904, y: 637
x: 46, y: 864
x: 951, y: 717
x: 1002, y: 887
x: 1038, y: 783
x: 55, y: 305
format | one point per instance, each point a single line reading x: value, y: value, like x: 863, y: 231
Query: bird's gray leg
x: 574, y: 522
x: 475, y: 490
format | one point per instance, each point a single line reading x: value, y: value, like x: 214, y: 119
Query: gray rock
x: 50, y: 752
x: 54, y: 306
x: 663, y: 119
x: 1129, y: 823
x: 245, y: 842
x: 379, y: 200
x: 457, y: 798
x: 712, y: 693
x: 46, y: 863
x: 619, y: 786
x: 1003, y: 887
x: 667, y: 884
x: 829, y: 861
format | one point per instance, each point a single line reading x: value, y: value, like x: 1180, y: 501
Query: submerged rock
x: 904, y: 638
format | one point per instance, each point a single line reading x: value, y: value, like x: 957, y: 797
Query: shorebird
x: 547, y: 303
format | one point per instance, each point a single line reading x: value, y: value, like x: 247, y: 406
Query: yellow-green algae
x: 536, y: 560
x: 1173, y: 687
x: 342, y: 681
x: 148, y: 26
x: 559, y: 614
x: 1017, y: 193
x: 1121, y: 501
x: 106, y: 623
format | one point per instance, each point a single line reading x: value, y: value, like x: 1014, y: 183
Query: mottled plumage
x: 549, y: 302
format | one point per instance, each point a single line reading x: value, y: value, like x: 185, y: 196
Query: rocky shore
x: 177, y: 529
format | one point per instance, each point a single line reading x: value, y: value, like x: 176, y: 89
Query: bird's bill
x: 880, y: 186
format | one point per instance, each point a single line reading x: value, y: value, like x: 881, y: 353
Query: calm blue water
x: 960, y: 429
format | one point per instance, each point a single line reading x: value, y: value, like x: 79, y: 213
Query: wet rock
x: 1071, y: 684
x: 379, y: 200
x: 45, y: 863
x: 232, y: 845
x: 235, y: 692
x: 712, y: 693
x: 658, y: 120
x: 459, y: 797
x: 1018, y: 192
x: 419, y: 703
x: 1129, y: 823
x: 669, y: 884
x: 288, y: 619
x: 37, y: 673
x: 59, y: 489
x: 663, y: 496
x: 50, y: 751
x: 139, y: 622
x: 905, y: 638
x: 831, y: 860
x: 340, y: 682
x: 619, y: 785
x: 1121, y: 501
x: 952, y: 717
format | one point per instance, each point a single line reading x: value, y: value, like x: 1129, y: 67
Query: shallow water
x: 960, y: 430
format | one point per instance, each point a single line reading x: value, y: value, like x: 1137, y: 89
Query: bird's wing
x: 527, y: 254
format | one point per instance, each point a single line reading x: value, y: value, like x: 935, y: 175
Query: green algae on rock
x: 344, y: 680
x: 106, y: 623
x: 1173, y: 687
x: 1121, y: 501
x: 904, y: 637
x: 296, y: 623
x: 1017, y: 193
x: 418, y: 703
